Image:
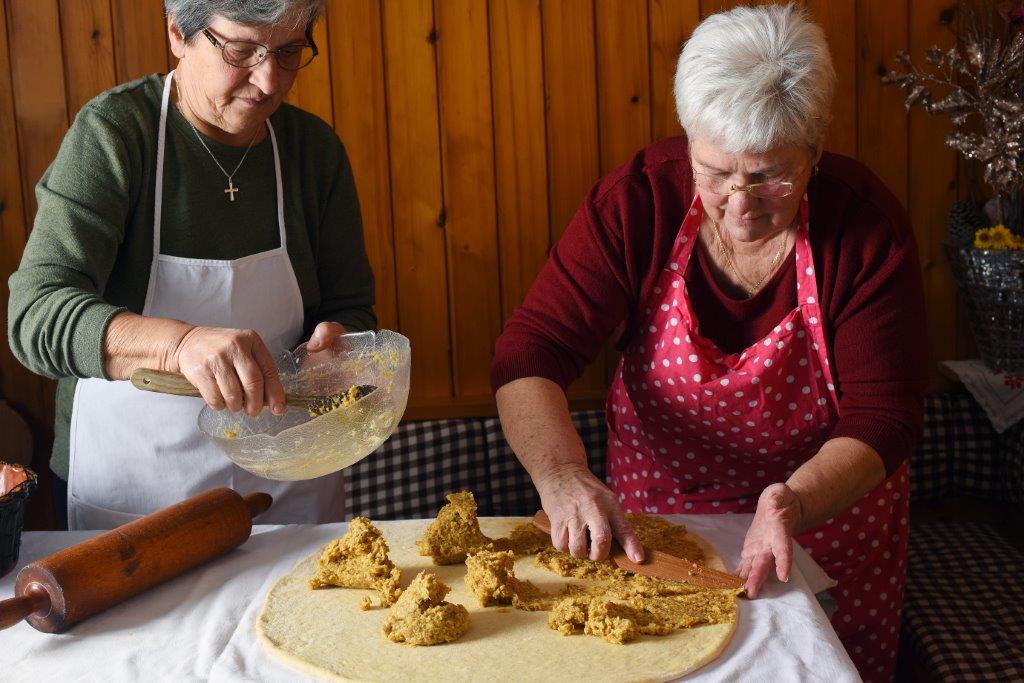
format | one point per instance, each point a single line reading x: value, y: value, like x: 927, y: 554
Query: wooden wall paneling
x: 623, y: 94
x: 360, y: 118
x: 38, y: 80
x: 574, y: 163
x: 19, y: 387
x: 41, y: 118
x: 467, y: 139
x: 517, y: 82
x: 312, y: 88
x: 623, y: 81
x: 570, y: 81
x: 709, y: 7
x: 839, y: 20
x: 417, y: 205
x: 882, y: 121
x: 140, y: 31
x: 670, y: 24
x: 933, y: 189
x: 88, y: 38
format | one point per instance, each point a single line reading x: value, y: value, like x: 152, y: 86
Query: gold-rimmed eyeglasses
x: 722, y: 185
x: 245, y: 55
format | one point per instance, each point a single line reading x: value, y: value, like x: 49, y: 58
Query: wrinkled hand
x: 232, y: 369
x: 769, y: 539
x: 580, y: 506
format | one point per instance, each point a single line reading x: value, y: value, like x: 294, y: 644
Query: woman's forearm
x: 134, y: 341
x: 535, y: 418
x: 838, y: 475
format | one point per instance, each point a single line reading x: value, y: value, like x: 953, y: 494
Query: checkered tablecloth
x: 963, y: 612
x: 407, y: 478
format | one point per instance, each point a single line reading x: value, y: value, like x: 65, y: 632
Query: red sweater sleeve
x: 872, y: 287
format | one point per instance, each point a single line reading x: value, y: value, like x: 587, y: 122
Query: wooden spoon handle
x: 163, y: 382
x: 174, y: 383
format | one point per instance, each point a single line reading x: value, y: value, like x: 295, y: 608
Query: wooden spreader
x: 661, y: 565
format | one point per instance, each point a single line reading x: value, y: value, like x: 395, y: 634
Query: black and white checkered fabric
x: 960, y: 454
x: 963, y: 611
x: 511, y: 491
x: 409, y: 476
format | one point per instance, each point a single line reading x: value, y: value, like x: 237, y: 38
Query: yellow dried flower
x: 997, y: 238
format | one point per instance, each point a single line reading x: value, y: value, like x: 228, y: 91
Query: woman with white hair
x: 773, y: 334
x: 191, y: 222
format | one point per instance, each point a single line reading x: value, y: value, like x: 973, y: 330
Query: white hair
x: 755, y: 78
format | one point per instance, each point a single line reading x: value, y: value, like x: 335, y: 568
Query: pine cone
x: 965, y: 218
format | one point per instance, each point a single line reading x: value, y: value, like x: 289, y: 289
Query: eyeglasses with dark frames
x: 246, y: 55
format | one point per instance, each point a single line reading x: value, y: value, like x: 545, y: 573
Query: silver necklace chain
x: 231, y: 189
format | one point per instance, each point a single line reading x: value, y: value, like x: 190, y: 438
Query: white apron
x: 134, y: 452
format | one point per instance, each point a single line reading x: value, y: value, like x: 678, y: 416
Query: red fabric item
x: 867, y: 271
x: 695, y: 429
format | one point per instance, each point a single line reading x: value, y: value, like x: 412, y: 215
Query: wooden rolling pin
x: 60, y: 590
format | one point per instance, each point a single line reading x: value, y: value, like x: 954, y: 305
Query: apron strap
x: 280, y: 186
x: 158, y: 194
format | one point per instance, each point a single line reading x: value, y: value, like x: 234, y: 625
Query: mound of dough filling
x: 491, y: 577
x: 455, y: 533
x: 359, y: 559
x: 524, y: 539
x: 626, y: 605
x: 615, y: 618
x: 422, y: 617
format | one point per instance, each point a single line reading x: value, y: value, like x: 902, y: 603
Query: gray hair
x: 755, y: 78
x: 192, y: 16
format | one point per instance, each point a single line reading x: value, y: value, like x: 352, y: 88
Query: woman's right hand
x: 585, y: 515
x: 232, y: 369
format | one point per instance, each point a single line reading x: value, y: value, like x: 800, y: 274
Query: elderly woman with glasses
x: 772, y: 347
x: 191, y: 222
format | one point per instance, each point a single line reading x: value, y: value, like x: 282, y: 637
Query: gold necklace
x: 750, y: 288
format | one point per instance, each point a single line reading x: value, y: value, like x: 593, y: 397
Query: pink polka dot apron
x: 693, y: 429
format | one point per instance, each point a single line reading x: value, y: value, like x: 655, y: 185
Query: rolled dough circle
x: 324, y: 634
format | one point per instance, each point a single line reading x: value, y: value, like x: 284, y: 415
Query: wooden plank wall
x: 474, y: 127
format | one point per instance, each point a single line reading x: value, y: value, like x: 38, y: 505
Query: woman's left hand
x: 324, y: 336
x: 769, y: 539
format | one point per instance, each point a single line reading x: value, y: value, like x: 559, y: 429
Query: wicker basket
x: 12, y: 517
x: 992, y: 285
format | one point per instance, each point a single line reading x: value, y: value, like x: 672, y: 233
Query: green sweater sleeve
x: 57, y: 317
x: 343, y: 269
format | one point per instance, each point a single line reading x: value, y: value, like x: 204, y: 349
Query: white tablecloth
x: 201, y: 626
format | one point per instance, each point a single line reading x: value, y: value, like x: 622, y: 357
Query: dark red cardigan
x: 868, y: 273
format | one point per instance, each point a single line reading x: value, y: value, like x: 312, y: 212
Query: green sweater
x: 89, y: 254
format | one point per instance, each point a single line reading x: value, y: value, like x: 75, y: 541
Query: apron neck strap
x: 158, y: 194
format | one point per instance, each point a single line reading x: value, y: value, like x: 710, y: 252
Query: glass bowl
x: 295, y: 445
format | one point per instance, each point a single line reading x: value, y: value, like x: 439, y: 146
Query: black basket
x: 992, y: 286
x: 12, y: 518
